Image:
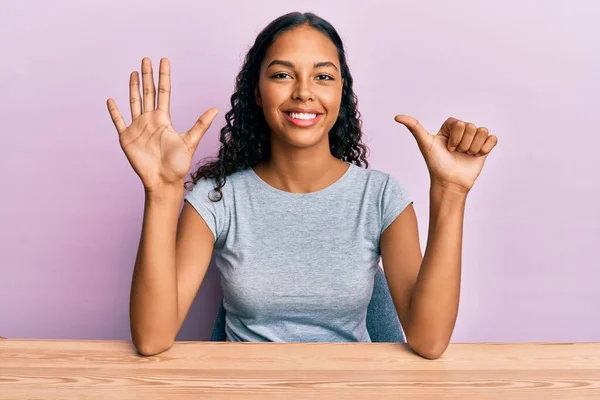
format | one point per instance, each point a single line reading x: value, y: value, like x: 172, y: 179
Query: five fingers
x: 462, y: 137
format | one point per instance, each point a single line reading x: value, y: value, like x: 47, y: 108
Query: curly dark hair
x: 245, y: 139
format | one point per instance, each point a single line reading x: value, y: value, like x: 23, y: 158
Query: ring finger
x: 478, y: 141
x: 135, y: 101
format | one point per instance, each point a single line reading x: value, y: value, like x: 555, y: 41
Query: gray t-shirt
x: 299, y: 267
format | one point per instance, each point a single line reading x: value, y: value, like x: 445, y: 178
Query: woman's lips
x: 302, y: 123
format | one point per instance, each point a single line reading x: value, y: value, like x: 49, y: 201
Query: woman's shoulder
x: 380, y: 183
x: 207, y: 186
x: 373, y: 176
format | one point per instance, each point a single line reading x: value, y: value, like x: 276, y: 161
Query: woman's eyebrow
x: 325, y: 64
x: 291, y: 64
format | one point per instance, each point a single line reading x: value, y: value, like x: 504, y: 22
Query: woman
x: 297, y: 221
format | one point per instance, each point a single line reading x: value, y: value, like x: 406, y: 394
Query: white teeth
x: 303, y: 116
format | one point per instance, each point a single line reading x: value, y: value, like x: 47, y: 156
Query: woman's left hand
x: 456, y: 154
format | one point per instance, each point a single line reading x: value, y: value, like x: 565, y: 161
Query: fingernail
x: 452, y: 148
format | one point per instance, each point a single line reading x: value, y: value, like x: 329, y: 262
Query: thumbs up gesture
x: 456, y: 154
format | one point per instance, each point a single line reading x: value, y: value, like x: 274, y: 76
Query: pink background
x: 71, y: 206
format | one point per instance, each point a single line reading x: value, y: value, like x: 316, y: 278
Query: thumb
x: 415, y: 127
x: 197, y: 131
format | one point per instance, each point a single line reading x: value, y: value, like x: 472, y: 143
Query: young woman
x: 297, y: 221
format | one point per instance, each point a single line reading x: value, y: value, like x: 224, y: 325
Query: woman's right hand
x: 160, y: 156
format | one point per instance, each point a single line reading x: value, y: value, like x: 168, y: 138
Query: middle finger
x: 148, y: 85
x: 164, y: 85
x: 467, y: 138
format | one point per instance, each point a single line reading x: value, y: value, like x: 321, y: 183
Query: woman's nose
x: 302, y: 91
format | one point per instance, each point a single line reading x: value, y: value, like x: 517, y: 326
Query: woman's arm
x: 426, y: 292
x: 173, y: 257
x: 426, y: 289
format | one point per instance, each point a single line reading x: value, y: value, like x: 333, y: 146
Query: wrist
x: 449, y: 189
x: 172, y: 192
x: 442, y: 192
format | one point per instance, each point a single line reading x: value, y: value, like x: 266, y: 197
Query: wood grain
x: 54, y: 369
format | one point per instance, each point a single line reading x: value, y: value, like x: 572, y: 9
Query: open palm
x: 159, y: 155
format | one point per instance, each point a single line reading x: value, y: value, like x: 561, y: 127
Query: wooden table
x: 48, y: 369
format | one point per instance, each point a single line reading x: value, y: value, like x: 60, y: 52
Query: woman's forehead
x: 303, y: 44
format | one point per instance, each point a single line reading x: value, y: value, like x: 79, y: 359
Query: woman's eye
x: 283, y: 75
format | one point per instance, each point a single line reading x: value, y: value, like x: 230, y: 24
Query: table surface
x: 73, y: 369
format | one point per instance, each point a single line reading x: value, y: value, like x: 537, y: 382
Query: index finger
x: 447, y: 126
x: 164, y: 85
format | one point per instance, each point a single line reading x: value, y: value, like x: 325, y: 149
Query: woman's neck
x: 301, y: 170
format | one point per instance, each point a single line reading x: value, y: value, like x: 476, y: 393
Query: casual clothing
x: 299, y: 267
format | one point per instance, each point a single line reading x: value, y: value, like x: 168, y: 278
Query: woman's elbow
x: 431, y: 350
x: 149, y: 348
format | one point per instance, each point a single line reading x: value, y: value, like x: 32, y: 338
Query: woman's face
x: 300, y: 87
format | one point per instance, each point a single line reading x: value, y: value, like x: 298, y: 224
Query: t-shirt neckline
x: 317, y: 192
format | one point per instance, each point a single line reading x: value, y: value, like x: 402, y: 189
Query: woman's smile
x: 303, y: 119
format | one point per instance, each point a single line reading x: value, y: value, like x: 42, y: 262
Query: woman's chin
x: 304, y: 139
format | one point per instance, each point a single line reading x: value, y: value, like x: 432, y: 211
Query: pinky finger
x: 489, y: 144
x: 116, y: 116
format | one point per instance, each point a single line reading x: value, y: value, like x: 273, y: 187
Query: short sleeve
x: 211, y: 211
x: 394, y: 200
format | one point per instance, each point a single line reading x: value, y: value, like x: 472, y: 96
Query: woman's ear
x: 257, y: 97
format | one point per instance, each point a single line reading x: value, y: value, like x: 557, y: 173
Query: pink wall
x: 71, y: 206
